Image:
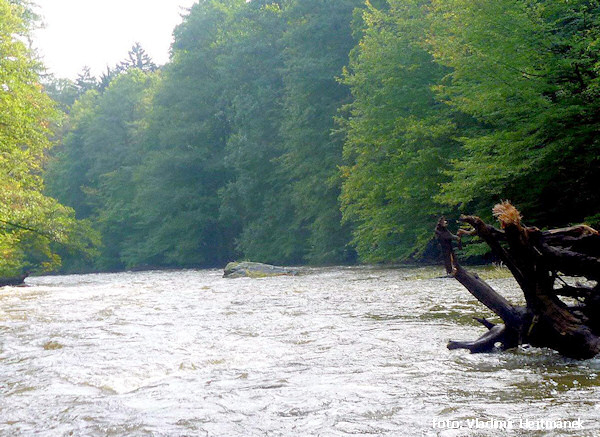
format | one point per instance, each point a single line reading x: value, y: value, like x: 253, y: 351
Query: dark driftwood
x: 536, y: 259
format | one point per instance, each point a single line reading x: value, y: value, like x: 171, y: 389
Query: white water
x: 333, y: 352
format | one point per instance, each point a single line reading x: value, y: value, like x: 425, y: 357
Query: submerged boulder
x: 247, y: 269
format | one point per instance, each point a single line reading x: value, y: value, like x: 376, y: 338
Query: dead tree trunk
x: 536, y: 259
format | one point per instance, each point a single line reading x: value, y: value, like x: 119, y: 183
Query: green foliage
x: 399, y: 139
x: 528, y: 72
x: 255, y: 200
x: 461, y: 104
x: 93, y: 170
x: 176, y: 207
x: 31, y: 224
x: 279, y: 65
x: 317, y: 41
x: 232, y: 150
x: 236, y: 156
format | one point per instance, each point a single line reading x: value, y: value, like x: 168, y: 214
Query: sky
x: 100, y: 33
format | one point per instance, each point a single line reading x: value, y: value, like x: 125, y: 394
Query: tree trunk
x: 536, y: 259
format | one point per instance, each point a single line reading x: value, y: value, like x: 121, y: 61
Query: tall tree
x: 182, y: 170
x: 94, y: 170
x: 30, y: 223
x: 317, y: 41
x: 399, y: 139
x: 258, y: 197
x: 107, y: 77
x: 137, y: 58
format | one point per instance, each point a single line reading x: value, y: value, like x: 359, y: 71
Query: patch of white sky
x: 100, y: 33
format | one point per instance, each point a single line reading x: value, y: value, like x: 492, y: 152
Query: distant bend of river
x: 332, y: 352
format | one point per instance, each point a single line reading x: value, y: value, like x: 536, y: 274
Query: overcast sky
x: 97, y: 33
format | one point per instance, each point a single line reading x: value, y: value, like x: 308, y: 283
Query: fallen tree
x: 539, y: 261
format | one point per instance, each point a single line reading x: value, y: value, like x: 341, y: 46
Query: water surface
x: 333, y: 352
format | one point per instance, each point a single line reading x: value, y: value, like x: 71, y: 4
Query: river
x: 332, y: 352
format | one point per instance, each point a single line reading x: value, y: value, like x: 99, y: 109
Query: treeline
x: 227, y: 151
x: 322, y: 131
x: 272, y: 115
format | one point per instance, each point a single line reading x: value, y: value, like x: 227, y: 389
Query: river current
x: 331, y: 352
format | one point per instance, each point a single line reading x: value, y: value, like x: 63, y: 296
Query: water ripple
x: 333, y: 352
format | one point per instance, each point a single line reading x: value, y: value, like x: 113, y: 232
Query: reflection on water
x: 333, y: 352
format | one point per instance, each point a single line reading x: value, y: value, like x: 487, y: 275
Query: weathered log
x: 535, y: 259
x: 581, y: 238
x: 445, y: 239
x: 570, y: 262
x: 475, y: 285
x: 488, y: 296
x: 578, y: 292
x: 497, y: 335
x: 485, y: 343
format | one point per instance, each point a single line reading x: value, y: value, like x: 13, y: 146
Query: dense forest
x: 32, y: 225
x: 300, y: 131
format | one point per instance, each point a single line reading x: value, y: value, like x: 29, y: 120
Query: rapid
x: 331, y: 352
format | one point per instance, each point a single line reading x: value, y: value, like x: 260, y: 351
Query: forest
x: 294, y: 132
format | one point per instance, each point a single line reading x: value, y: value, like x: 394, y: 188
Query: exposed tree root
x: 536, y: 259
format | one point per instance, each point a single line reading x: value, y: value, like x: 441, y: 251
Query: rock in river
x: 248, y: 269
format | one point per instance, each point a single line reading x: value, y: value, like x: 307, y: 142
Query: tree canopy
x: 316, y: 131
x: 31, y: 224
x: 528, y: 73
